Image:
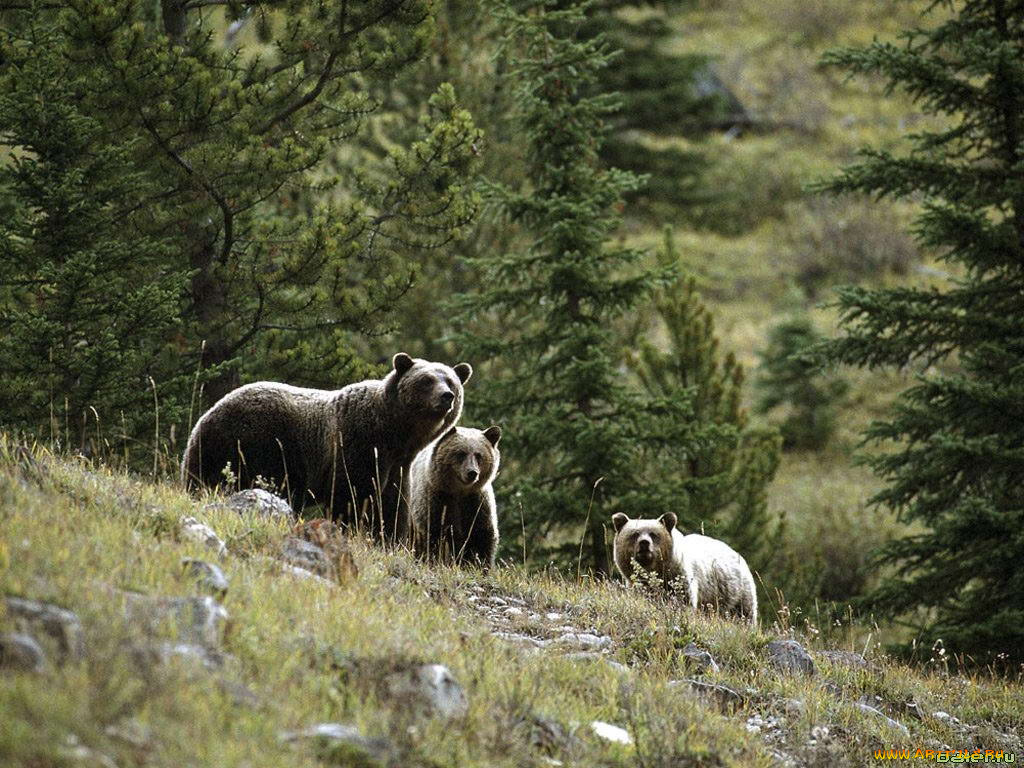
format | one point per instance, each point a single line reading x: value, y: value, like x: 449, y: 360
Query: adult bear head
x: 429, y: 394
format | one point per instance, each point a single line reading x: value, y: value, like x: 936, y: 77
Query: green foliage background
x: 197, y: 195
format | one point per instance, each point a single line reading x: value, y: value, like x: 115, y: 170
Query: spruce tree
x: 789, y: 376
x: 88, y: 296
x: 955, y: 438
x: 583, y: 442
x: 240, y: 154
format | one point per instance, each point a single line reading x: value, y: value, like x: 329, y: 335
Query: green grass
x: 76, y: 534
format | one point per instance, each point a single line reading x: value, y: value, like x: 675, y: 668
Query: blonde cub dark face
x: 646, y: 542
x: 469, y: 458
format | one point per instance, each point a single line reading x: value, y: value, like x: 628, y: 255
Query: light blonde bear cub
x: 715, y: 575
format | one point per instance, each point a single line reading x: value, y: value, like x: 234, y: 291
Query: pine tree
x: 238, y: 158
x: 582, y: 440
x: 727, y: 473
x: 956, y: 438
x: 88, y: 297
x: 290, y: 249
x: 665, y: 95
x: 789, y: 376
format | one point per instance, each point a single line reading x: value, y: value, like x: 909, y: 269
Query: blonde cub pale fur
x: 715, y: 576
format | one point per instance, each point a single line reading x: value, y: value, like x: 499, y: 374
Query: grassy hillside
x: 538, y: 658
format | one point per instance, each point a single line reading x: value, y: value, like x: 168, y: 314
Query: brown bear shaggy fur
x: 451, y: 499
x: 348, y: 450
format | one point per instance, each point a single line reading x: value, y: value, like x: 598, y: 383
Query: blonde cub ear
x: 619, y: 519
x: 669, y: 520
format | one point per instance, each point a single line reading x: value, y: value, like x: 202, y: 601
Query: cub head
x: 466, y: 460
x: 429, y: 393
x: 648, y: 542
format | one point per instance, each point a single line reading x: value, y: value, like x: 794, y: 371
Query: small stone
x: 594, y: 656
x: 82, y: 754
x: 699, y: 659
x: 197, y: 620
x: 790, y: 657
x: 843, y: 659
x: 359, y: 748
x: 723, y: 695
x: 263, y: 503
x: 552, y: 616
x: 513, y: 611
x: 612, y: 733
x: 302, y: 573
x: 158, y: 654
x: 496, y: 601
x: 21, y: 652
x: 584, y: 640
x: 59, y: 623
x: 209, y: 576
x: 514, y: 637
x: 131, y: 731
x: 872, y: 711
x: 793, y: 707
x: 304, y: 554
x: 432, y: 687
x: 193, y: 530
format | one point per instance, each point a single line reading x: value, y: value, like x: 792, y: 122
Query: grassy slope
x: 68, y: 533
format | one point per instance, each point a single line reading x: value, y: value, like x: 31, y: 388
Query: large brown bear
x: 348, y: 449
x: 711, y: 573
x: 451, y: 501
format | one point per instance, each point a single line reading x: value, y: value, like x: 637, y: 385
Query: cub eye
x: 478, y: 457
x: 460, y: 455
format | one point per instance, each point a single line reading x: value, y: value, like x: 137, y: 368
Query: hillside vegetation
x: 533, y: 660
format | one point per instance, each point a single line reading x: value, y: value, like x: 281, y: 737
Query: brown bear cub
x: 348, y: 449
x: 451, y: 499
x: 709, y: 572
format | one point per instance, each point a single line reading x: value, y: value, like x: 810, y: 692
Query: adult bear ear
x: 619, y: 519
x: 669, y: 520
x: 463, y: 371
x: 401, y: 363
x: 493, y: 435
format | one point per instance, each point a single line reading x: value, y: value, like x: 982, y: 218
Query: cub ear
x: 463, y: 371
x: 619, y: 519
x: 401, y: 363
x: 669, y: 520
x: 493, y: 434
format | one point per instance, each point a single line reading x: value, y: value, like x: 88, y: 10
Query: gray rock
x: 431, y: 688
x: 790, y: 657
x: 793, y: 707
x: 21, y: 652
x: 518, y: 639
x: 59, y: 623
x: 131, y: 731
x: 80, y: 754
x: 843, y: 659
x: 209, y: 576
x: 872, y: 711
x: 302, y: 573
x: 332, y: 735
x: 196, y: 620
x: 158, y: 654
x: 610, y: 732
x: 193, y: 530
x: 699, y: 659
x: 584, y: 640
x: 263, y: 503
x: 594, y: 656
x: 725, y: 697
x: 303, y: 554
